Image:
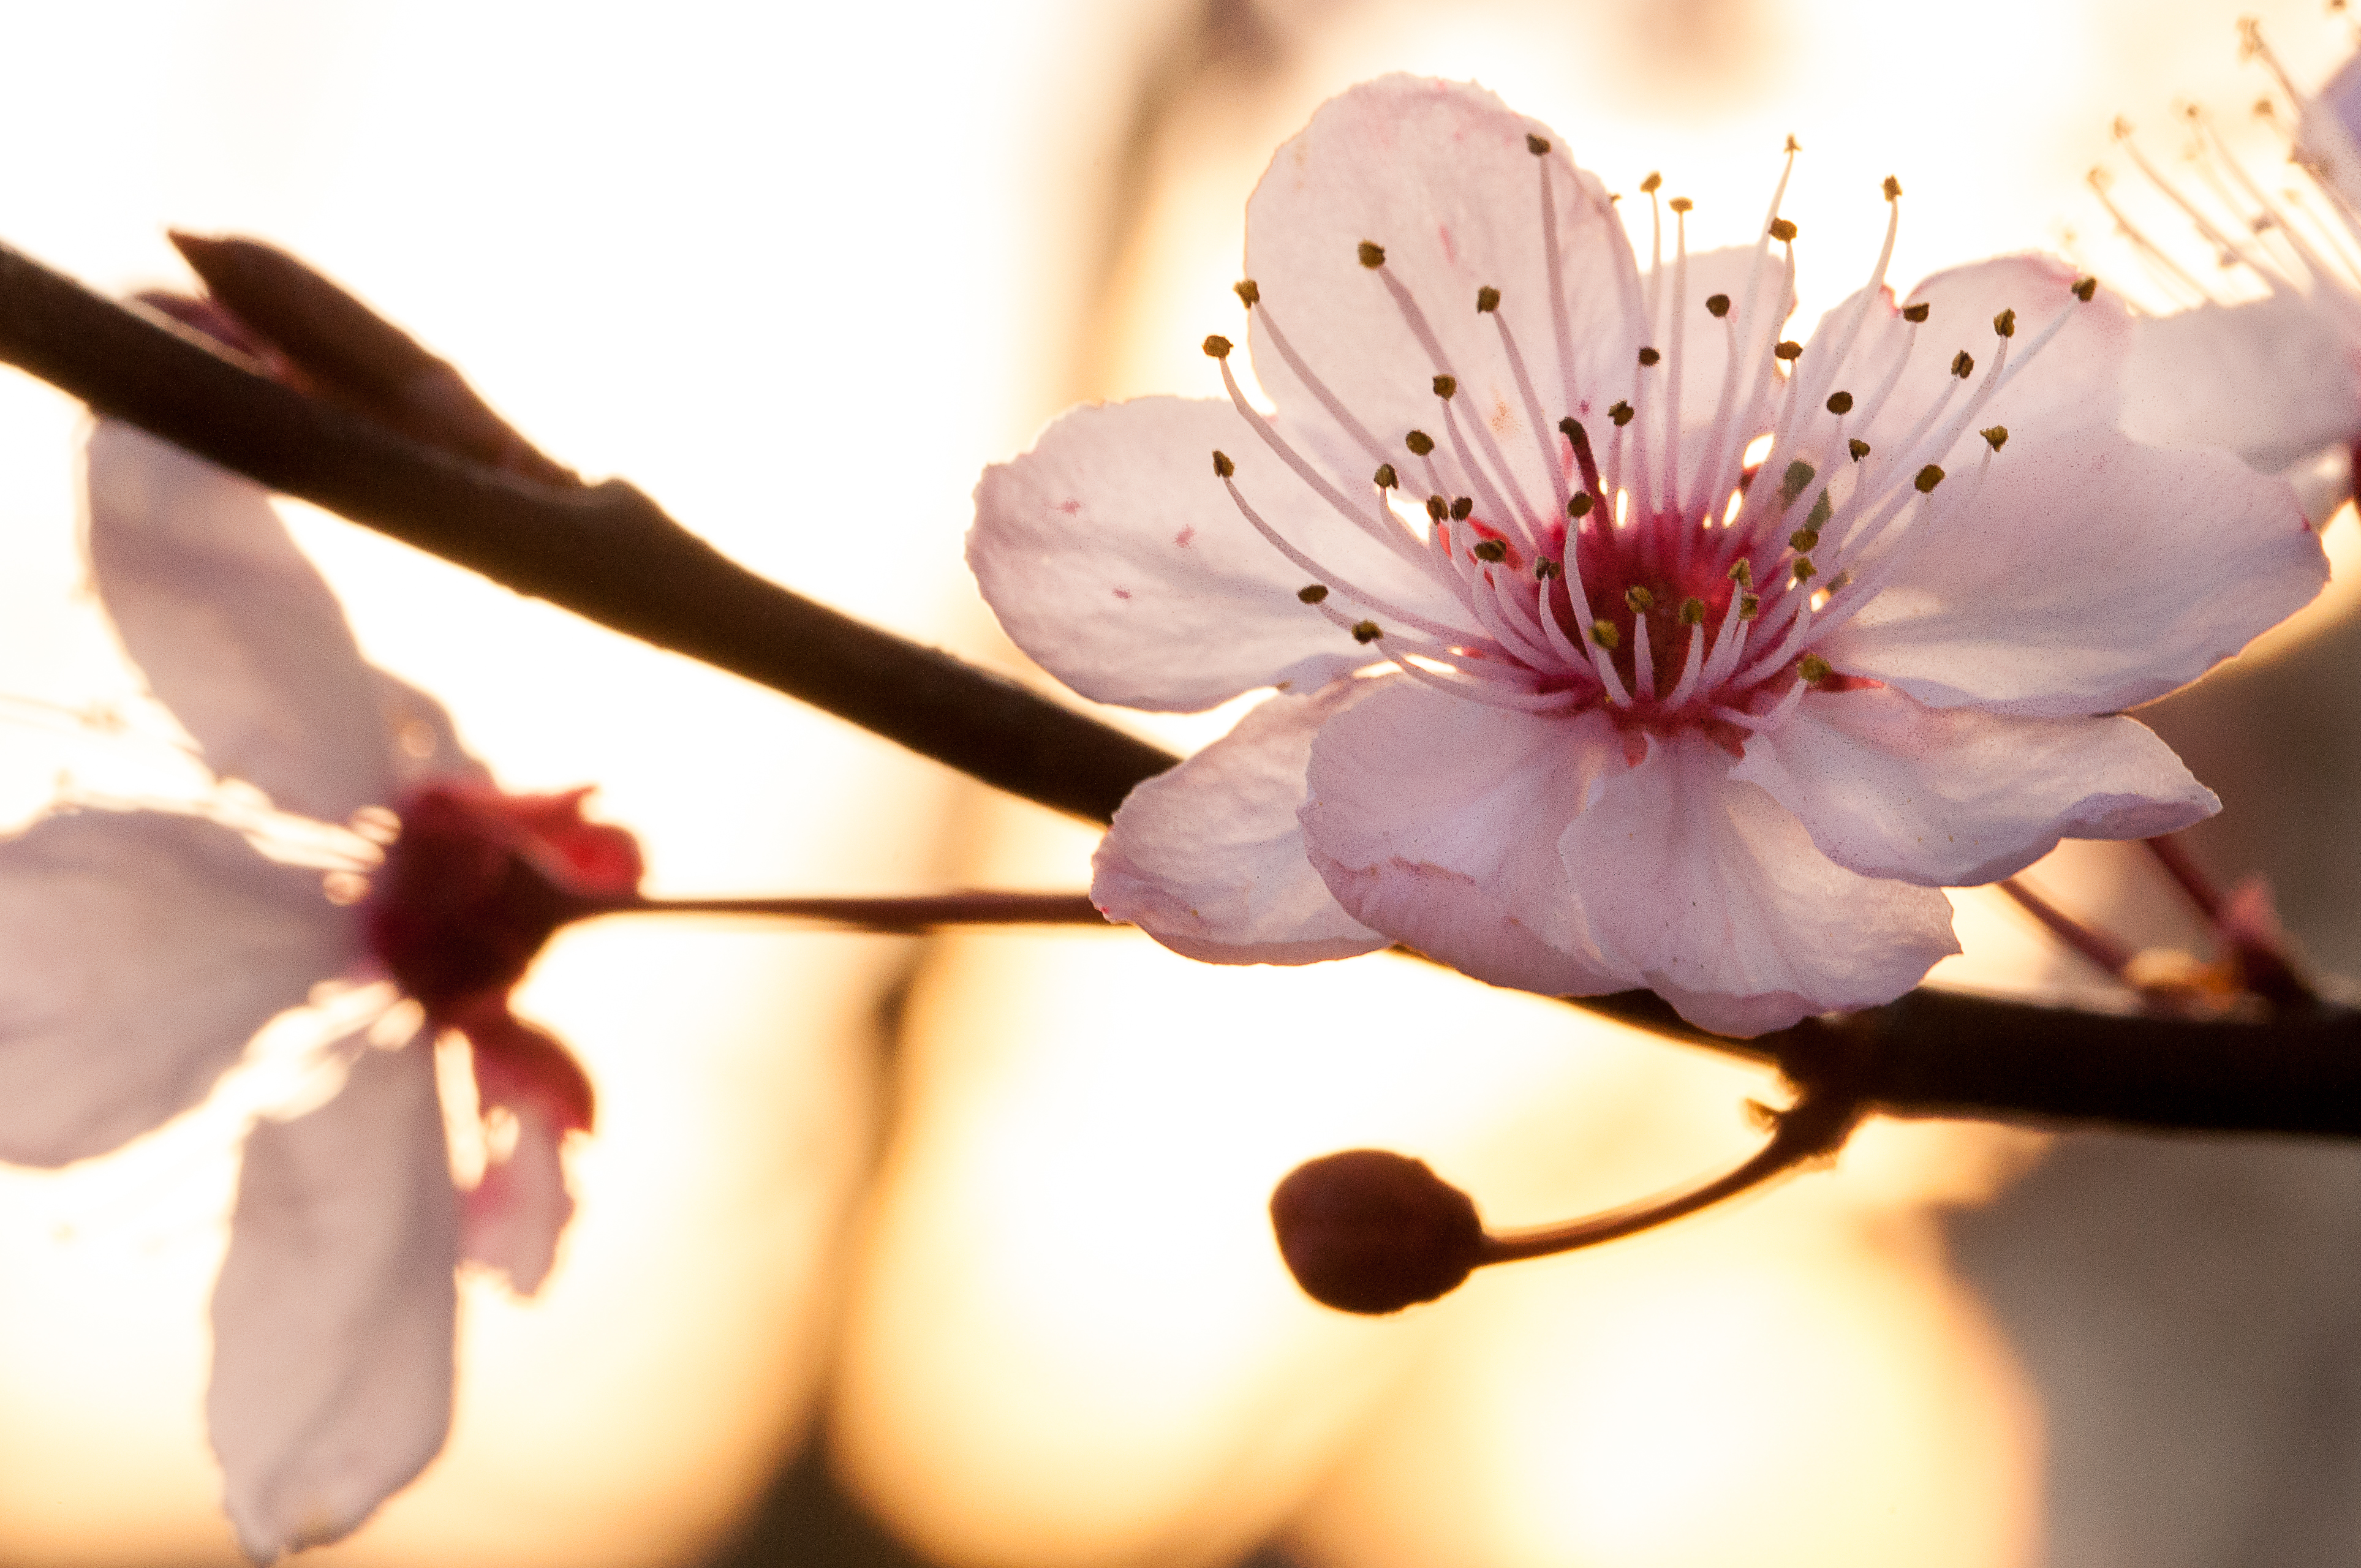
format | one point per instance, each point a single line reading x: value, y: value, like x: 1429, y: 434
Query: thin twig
x: 891, y: 916
x: 2103, y: 950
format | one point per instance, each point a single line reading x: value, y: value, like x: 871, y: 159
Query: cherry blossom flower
x: 2274, y: 376
x: 1617, y: 641
x: 140, y: 950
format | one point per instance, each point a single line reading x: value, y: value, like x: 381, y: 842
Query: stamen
x: 1312, y: 568
x: 1716, y: 475
x: 1550, y: 463
x: 1302, y: 372
x: 1561, y: 328
x: 1693, y: 665
x: 1643, y: 662
x: 1423, y: 331
x: 1490, y: 697
x: 1385, y: 528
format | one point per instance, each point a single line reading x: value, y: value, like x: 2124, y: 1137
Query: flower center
x: 476, y: 883
x: 1683, y: 574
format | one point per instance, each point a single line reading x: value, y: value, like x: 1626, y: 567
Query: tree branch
x: 610, y: 553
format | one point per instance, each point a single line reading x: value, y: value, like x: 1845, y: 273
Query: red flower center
x: 476, y: 883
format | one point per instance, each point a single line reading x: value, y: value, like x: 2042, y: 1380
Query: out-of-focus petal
x: 422, y: 745
x: 1433, y: 820
x: 234, y: 630
x: 1209, y: 859
x: 1716, y: 897
x: 516, y: 1214
x: 2274, y: 380
x: 334, y: 1310
x: 140, y: 952
x: 1948, y: 798
x: 2328, y: 137
x: 2089, y: 573
x: 1113, y: 555
x: 1439, y: 175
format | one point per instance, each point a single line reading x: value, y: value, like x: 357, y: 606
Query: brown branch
x: 607, y: 553
x: 610, y: 555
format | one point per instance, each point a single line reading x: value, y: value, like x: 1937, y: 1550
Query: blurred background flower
x: 956, y: 1250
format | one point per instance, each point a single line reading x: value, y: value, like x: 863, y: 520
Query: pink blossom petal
x: 233, y: 628
x: 423, y: 745
x: 516, y: 1212
x: 1950, y: 798
x: 1440, y: 176
x: 139, y: 953
x: 1434, y: 820
x: 334, y: 1314
x: 2088, y: 575
x: 1115, y: 557
x: 2074, y: 381
x: 2328, y: 137
x: 1208, y: 858
x: 1717, y: 899
x: 2275, y: 379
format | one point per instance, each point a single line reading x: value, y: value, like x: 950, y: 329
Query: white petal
x: 2088, y: 575
x: 516, y: 1214
x: 233, y: 629
x: 333, y: 1315
x: 1716, y: 896
x: 1435, y: 821
x: 1439, y: 175
x: 1115, y: 556
x: 139, y: 953
x: 2275, y: 379
x: 1208, y: 858
x: 1951, y: 798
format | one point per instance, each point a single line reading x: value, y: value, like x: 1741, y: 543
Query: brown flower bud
x: 1366, y: 1230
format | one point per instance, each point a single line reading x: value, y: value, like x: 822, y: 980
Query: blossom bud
x: 1366, y: 1230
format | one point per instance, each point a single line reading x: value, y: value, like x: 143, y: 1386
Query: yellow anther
x: 1223, y: 466
x: 1372, y: 256
x: 1217, y: 347
x: 1603, y: 633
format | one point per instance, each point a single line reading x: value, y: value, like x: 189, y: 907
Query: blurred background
x: 954, y: 1252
